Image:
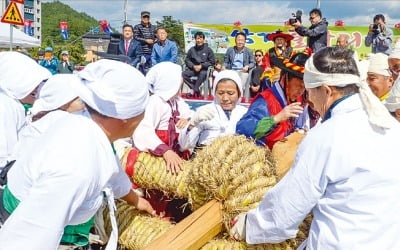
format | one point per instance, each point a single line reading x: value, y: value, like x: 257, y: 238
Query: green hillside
x: 78, y: 24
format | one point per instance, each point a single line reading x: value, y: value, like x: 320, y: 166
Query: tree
x: 78, y: 24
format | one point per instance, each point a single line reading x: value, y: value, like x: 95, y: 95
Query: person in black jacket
x: 198, y: 59
x: 146, y: 34
x: 317, y: 33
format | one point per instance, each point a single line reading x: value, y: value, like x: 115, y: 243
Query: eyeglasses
x: 258, y: 55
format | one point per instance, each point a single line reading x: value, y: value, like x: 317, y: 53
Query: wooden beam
x: 194, y: 231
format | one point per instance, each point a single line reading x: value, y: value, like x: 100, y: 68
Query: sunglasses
x: 258, y: 55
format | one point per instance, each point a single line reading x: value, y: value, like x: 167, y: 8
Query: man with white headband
x: 55, y: 189
x: 16, y: 89
x: 345, y: 170
x: 379, y: 77
x: 393, y: 102
x: 394, y: 61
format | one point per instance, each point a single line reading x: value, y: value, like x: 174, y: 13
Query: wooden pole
x: 11, y: 37
x: 194, y: 231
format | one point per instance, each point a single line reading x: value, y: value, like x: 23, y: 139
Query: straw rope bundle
x: 228, y: 244
x: 284, y: 152
x: 235, y: 171
x: 151, y: 173
x: 224, y: 244
x: 232, y: 170
x: 136, y: 230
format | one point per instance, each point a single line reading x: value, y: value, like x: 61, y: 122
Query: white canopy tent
x: 19, y: 38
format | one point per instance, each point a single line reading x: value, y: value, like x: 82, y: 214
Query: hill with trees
x: 80, y: 23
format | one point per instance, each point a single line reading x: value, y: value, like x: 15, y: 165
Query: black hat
x: 145, y: 13
x: 294, y: 65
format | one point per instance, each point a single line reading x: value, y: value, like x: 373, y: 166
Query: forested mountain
x: 78, y: 24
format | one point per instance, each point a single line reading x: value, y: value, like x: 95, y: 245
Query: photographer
x: 317, y: 33
x: 379, y: 36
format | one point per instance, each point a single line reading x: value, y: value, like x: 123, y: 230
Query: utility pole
x: 318, y: 4
x: 125, y: 11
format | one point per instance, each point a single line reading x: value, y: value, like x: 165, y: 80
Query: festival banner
x: 28, y: 27
x: 105, y: 27
x: 222, y: 36
x: 64, y: 30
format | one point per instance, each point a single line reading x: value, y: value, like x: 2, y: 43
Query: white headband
x: 112, y: 88
x: 396, y: 51
x: 377, y: 113
x: 378, y: 64
x: 313, y: 78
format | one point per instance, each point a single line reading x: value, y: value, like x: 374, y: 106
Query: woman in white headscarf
x: 166, y: 113
x: 55, y: 100
x: 218, y: 118
x: 55, y: 189
x: 20, y: 77
x: 345, y: 172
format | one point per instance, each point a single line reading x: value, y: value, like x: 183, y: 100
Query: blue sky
x: 229, y: 11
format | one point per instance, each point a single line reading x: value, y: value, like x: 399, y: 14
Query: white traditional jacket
x: 60, y: 182
x: 12, y: 119
x: 156, y: 117
x: 207, y: 131
x: 346, y: 172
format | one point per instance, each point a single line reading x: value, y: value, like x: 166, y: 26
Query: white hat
x: 164, y: 79
x: 378, y: 64
x: 396, y: 51
x: 393, y: 100
x: 56, y: 92
x: 20, y: 74
x: 113, y: 88
x: 232, y: 75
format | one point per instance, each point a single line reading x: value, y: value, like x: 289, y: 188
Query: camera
x: 295, y: 17
x: 375, y: 28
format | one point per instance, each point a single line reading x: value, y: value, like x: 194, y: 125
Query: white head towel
x: 113, y: 88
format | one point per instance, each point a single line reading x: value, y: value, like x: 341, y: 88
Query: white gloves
x: 238, y: 230
x: 203, y: 113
